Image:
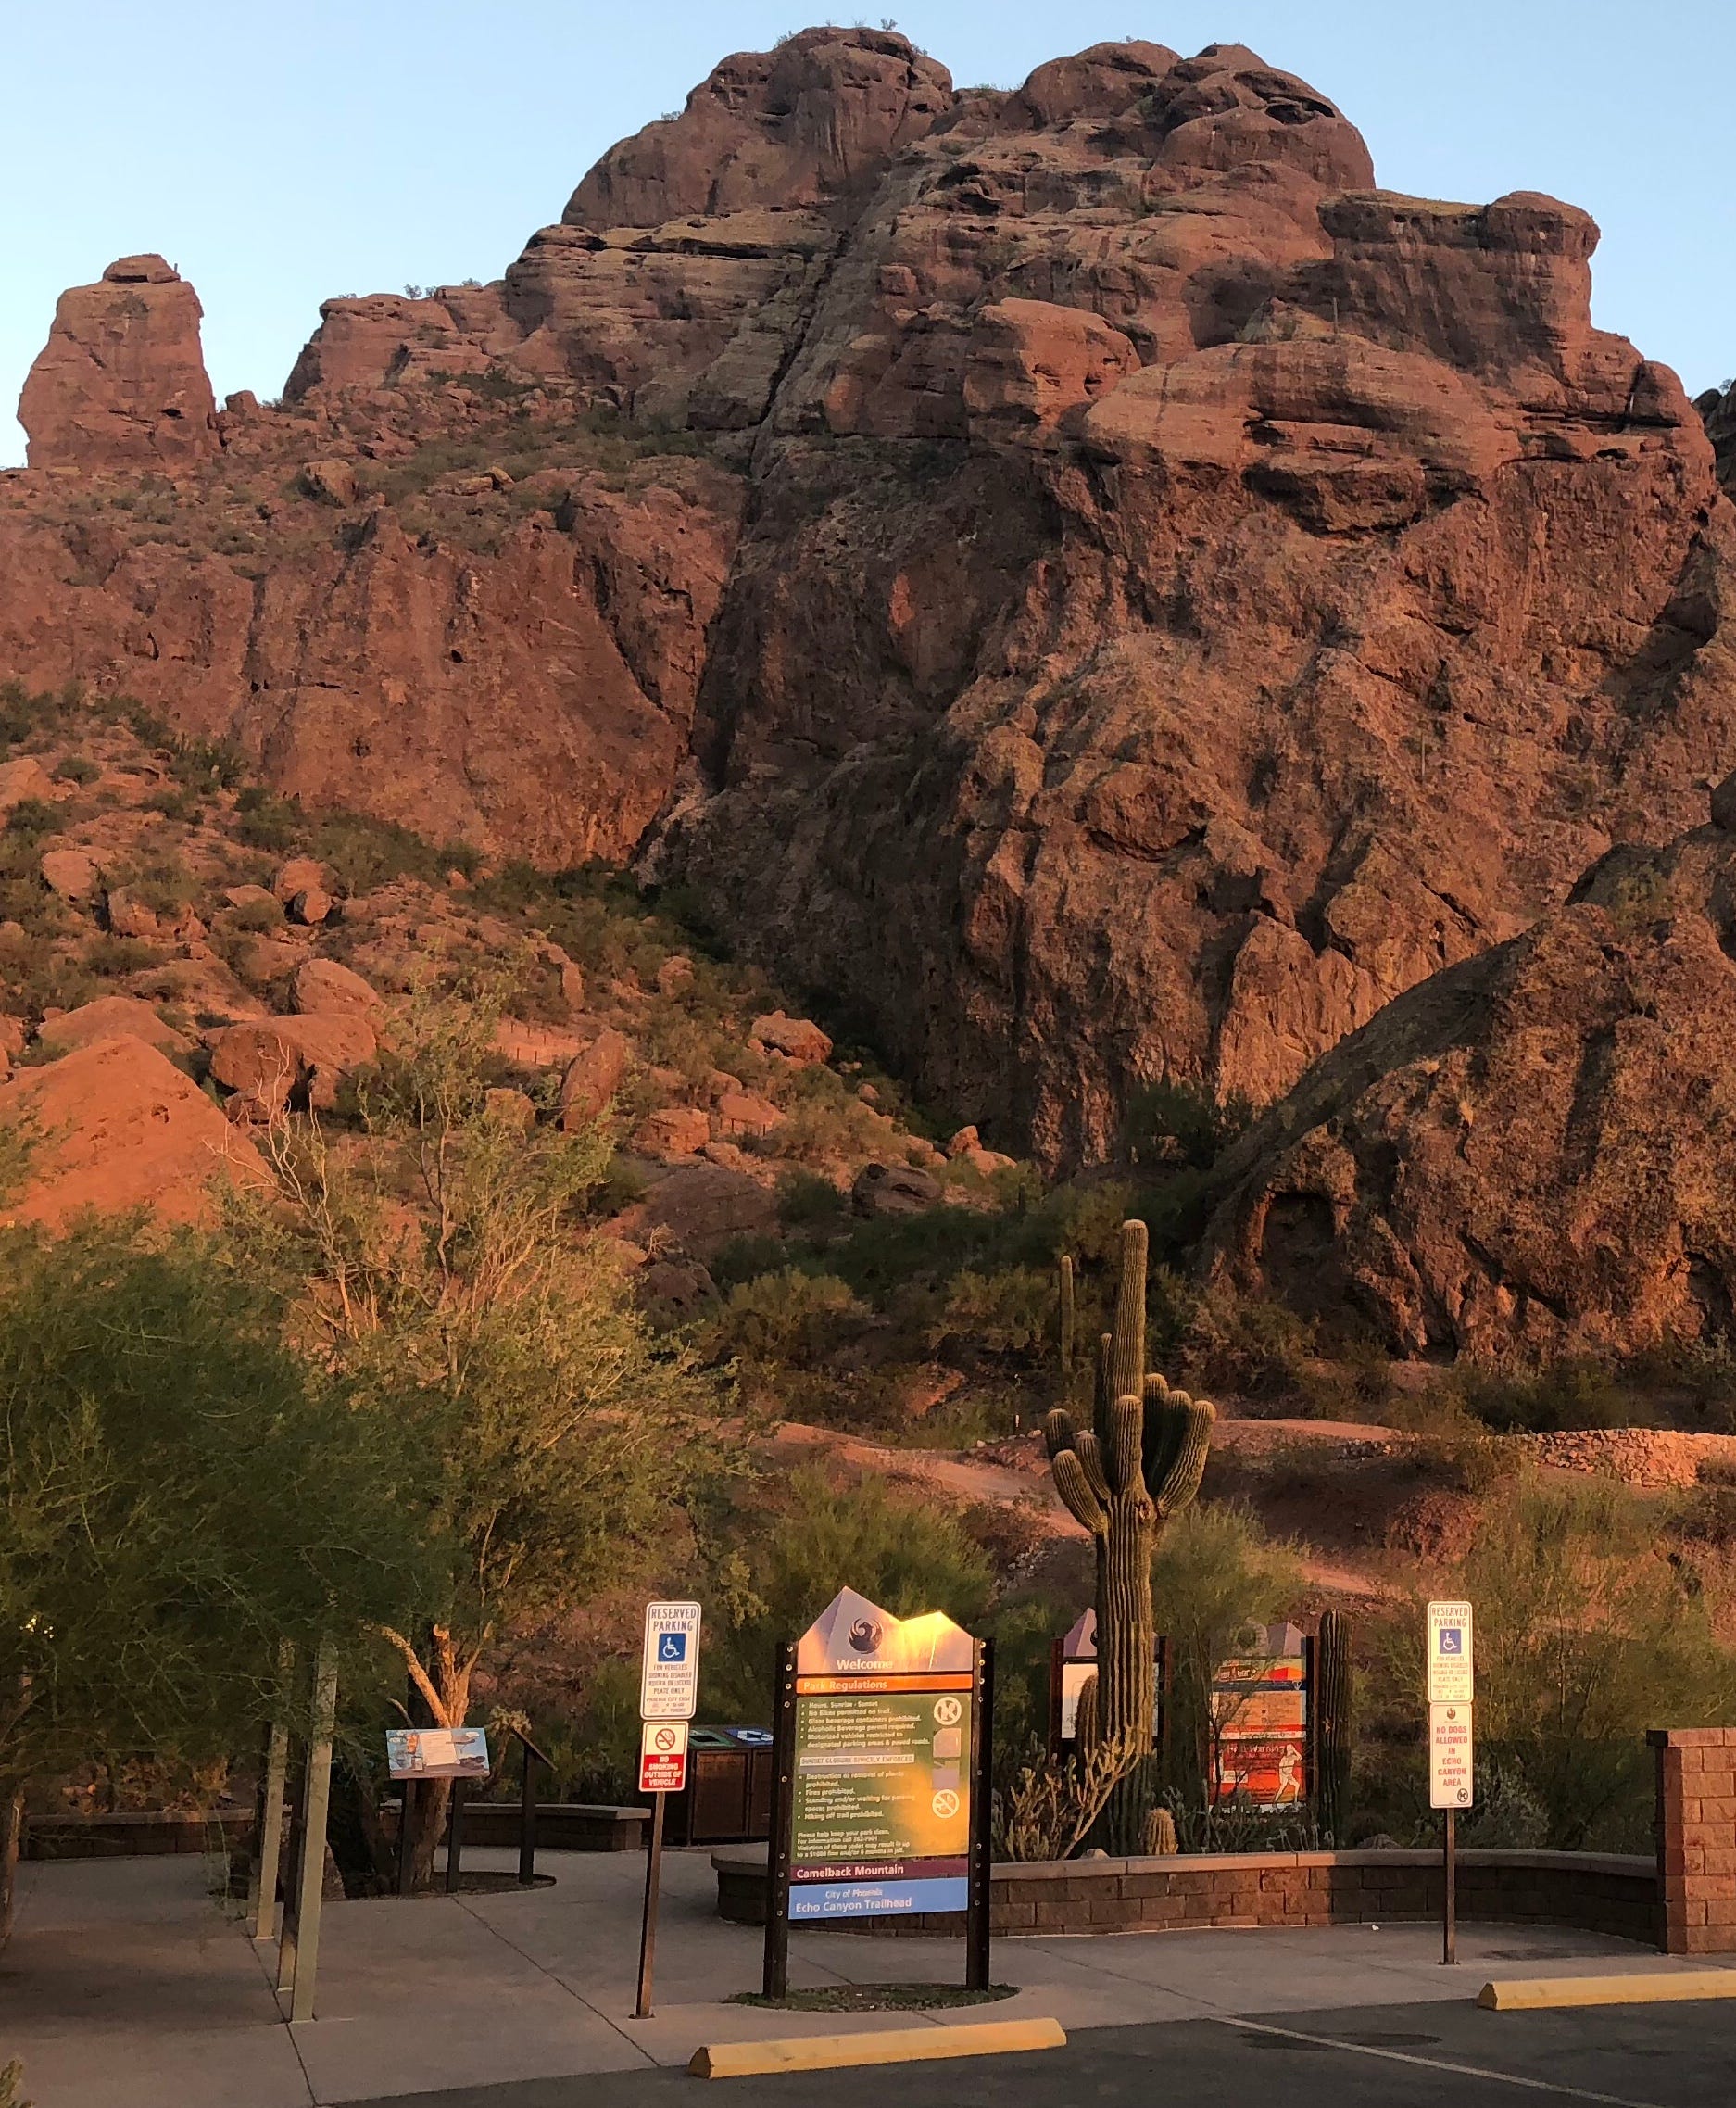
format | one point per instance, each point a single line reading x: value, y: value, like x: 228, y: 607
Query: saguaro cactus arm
x: 1066, y: 1317
x: 1073, y: 1481
x: 1178, y: 1438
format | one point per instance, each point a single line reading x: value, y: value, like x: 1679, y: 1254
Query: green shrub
x: 31, y: 818
x: 790, y: 1319
x: 113, y: 956
x: 1182, y: 1126
x: 1010, y: 1311
x: 1575, y: 1391
x: 1587, y: 1635
x: 806, y: 1201
x: 78, y: 769
x: 255, y: 917
x: 777, y: 1565
x: 1249, y: 1344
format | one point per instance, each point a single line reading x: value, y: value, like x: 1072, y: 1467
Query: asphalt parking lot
x: 1434, y: 2056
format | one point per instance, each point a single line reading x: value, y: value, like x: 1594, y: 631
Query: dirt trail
x: 985, y: 1479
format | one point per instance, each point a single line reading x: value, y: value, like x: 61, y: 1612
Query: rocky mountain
x: 1536, y: 1148
x: 1079, y: 577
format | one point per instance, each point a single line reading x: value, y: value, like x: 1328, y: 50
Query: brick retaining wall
x: 1594, y: 1892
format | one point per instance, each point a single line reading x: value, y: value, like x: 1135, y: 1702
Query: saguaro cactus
x: 1332, y: 1723
x: 1123, y: 1477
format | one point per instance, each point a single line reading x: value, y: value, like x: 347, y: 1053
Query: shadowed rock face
x: 122, y: 381
x: 1534, y: 1149
x: 1149, y: 596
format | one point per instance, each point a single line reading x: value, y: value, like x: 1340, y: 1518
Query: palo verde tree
x: 180, y: 1494
x: 444, y: 1266
x: 1138, y: 1464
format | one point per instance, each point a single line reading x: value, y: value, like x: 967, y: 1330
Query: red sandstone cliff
x: 1533, y: 1150
x: 1087, y: 579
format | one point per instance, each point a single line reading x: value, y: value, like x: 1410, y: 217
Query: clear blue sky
x: 282, y: 155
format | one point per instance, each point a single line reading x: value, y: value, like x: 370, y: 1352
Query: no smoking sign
x: 663, y: 1756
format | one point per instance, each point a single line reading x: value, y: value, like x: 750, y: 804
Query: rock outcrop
x: 121, y: 383
x: 1533, y: 1150
x: 1078, y: 576
x: 119, y: 1127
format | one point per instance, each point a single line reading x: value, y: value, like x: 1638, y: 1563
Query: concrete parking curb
x: 892, y: 2046
x: 1530, y: 1994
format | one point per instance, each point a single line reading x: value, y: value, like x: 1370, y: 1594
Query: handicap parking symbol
x: 1451, y: 1639
x: 672, y: 1646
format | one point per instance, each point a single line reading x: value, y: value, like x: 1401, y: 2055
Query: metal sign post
x: 1452, y: 1746
x: 669, y: 1695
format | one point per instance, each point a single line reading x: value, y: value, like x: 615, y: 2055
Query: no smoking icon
x: 663, y: 1739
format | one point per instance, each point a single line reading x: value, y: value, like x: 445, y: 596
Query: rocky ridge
x: 1078, y: 576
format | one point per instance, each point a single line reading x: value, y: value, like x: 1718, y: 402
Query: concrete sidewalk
x: 125, y: 1982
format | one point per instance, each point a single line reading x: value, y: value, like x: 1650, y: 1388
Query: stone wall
x: 1696, y: 1838
x: 134, y: 1834
x: 1594, y: 1892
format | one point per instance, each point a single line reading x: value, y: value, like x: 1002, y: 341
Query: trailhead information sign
x: 885, y: 1740
x: 881, y: 1820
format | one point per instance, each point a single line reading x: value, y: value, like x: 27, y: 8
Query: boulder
x: 797, y: 1039
x: 512, y: 1108
x: 320, y: 986
x: 330, y: 482
x: 24, y: 778
x: 593, y: 1077
x: 967, y: 1138
x: 271, y: 1063
x: 536, y: 1046
x: 127, y: 915
x: 256, y: 900
x: 571, y: 985
x: 745, y: 1115
x: 894, y: 1189
x: 674, y: 974
x: 673, y: 1130
x: 311, y: 906
x: 301, y: 874
x: 675, y: 1287
x: 121, y: 1128
x: 696, y: 1209
x: 71, y: 874
x: 110, y: 1017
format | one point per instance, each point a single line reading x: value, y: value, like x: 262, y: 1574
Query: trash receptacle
x: 727, y: 1799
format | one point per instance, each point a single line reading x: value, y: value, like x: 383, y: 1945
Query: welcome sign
x: 886, y: 1734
